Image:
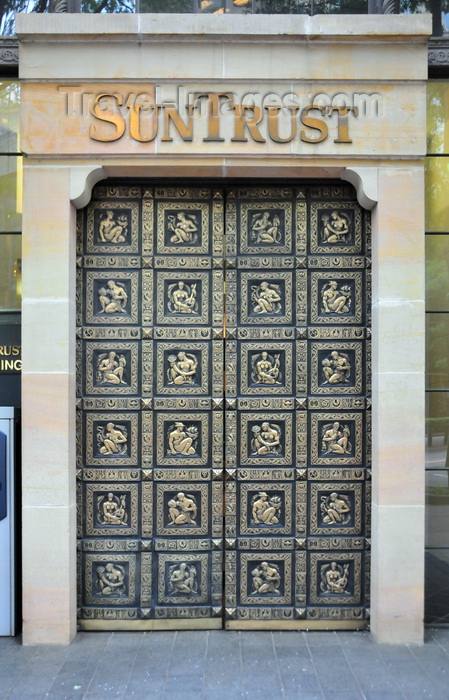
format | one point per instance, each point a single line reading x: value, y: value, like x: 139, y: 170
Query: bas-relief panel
x: 111, y: 509
x: 336, y: 368
x: 111, y: 368
x: 335, y: 229
x: 113, y: 227
x: 183, y: 298
x: 183, y: 509
x: 111, y: 439
x: 336, y: 438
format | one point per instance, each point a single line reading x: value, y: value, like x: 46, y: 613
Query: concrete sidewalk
x: 215, y: 665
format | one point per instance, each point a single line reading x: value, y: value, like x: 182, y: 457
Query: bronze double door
x: 223, y: 424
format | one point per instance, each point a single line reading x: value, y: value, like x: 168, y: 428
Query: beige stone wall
x: 48, y: 407
x: 381, y: 154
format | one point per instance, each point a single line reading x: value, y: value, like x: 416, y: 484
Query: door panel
x: 158, y: 434
x: 151, y: 425
x: 297, y: 430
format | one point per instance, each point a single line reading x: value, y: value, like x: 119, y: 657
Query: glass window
x: 118, y: 6
x: 437, y: 272
x: 437, y: 586
x: 438, y: 116
x: 437, y: 430
x: 437, y: 351
x: 170, y: 5
x: 10, y: 272
x: 220, y: 7
x: 10, y: 194
x: 436, y: 194
x: 437, y: 508
x: 9, y: 116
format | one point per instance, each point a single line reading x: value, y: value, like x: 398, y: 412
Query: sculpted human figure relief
x: 336, y: 368
x: 111, y: 229
x: 334, y: 578
x: 335, y: 509
x: 266, y: 298
x: 111, y: 579
x: 112, y: 510
x: 266, y: 579
x: 182, y: 298
x: 113, y: 298
x: 266, y: 439
x: 335, y: 439
x: 110, y: 368
x: 112, y: 439
x: 265, y: 509
x: 266, y: 368
x: 184, y: 228
x: 335, y: 227
x: 182, y: 439
x: 265, y: 229
x: 182, y: 368
x: 182, y: 579
x: 182, y: 509
x: 336, y: 299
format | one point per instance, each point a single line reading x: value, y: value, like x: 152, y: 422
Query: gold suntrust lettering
x: 144, y: 122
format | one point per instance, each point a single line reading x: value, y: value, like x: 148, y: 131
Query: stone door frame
x: 52, y: 192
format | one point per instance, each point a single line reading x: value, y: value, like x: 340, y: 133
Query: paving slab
x: 229, y: 665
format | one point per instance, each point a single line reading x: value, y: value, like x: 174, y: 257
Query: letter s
x: 312, y: 123
x: 106, y: 116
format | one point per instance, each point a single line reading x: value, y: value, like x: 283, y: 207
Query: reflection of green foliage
x: 435, y: 116
x: 437, y: 187
x: 166, y: 5
x: 9, y: 7
x: 437, y: 343
x: 437, y: 272
x: 437, y: 491
x: 109, y: 6
x: 436, y: 7
x: 9, y: 115
x: 283, y: 7
x: 437, y: 284
x: 305, y: 7
x: 10, y: 218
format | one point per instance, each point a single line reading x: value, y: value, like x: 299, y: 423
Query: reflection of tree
x: 167, y: 6
x: 437, y: 351
x: 9, y: 107
x: 110, y: 6
x: 437, y: 373
x: 9, y: 7
x: 310, y: 7
x: 437, y: 272
x: 437, y: 187
x: 436, y: 7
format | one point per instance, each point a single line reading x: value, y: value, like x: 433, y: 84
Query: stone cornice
x: 9, y: 51
x: 107, y: 28
x: 439, y: 51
